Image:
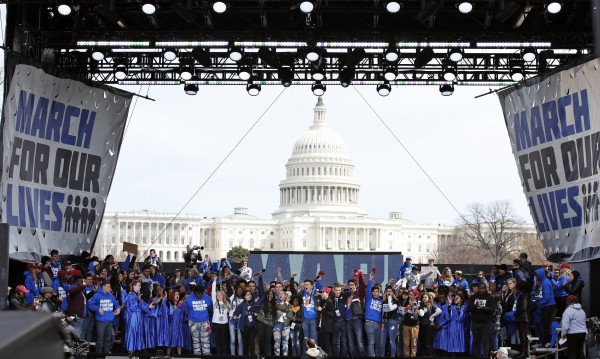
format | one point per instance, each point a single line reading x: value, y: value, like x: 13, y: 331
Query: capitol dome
x: 319, y: 175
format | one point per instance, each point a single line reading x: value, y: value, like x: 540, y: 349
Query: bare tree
x: 488, y: 232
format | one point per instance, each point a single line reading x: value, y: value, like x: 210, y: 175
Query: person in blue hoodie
x: 546, y: 304
x: 105, y: 305
x: 245, y: 315
x: 55, y: 265
x: 373, y: 314
x: 560, y: 280
x: 309, y: 325
x: 156, y: 276
x: 32, y: 283
x: 199, y: 307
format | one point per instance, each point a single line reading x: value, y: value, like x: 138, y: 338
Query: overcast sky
x: 173, y: 144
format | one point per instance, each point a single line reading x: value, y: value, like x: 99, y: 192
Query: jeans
x: 78, y: 324
x: 200, y: 332
x: 295, y: 339
x: 87, y: 331
x: 281, y: 336
x: 481, y: 339
x: 104, y: 337
x: 373, y: 330
x: 355, y: 337
x: 389, y: 332
x: 232, y: 339
x: 309, y: 327
x: 340, y: 339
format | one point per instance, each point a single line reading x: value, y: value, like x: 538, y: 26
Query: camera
x: 195, y: 248
x: 192, y: 255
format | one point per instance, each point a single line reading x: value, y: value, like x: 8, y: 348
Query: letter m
x: 522, y: 135
x: 24, y: 112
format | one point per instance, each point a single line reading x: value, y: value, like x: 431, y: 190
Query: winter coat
x: 573, y: 320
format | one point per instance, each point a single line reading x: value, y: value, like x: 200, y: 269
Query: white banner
x: 60, y: 145
x: 554, y: 127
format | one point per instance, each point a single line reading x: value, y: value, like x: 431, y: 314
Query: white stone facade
x: 318, y: 211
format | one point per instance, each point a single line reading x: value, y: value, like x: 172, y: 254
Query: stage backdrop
x: 553, y: 123
x: 60, y: 145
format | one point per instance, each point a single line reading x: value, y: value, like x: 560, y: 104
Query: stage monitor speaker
x: 3, y: 265
x: 27, y: 335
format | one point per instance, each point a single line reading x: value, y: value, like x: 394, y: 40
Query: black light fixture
x: 389, y: 72
x: 314, y: 54
x: 253, y: 88
x: 346, y: 76
x: 529, y: 54
x: 384, y: 89
x: 517, y: 70
x: 149, y: 7
x: 98, y: 54
x: 455, y: 54
x: 447, y: 89
x: 391, y: 54
x: 465, y: 7
x: 318, y: 73
x: 449, y: 71
x: 318, y: 88
x: 120, y: 68
x: 202, y: 56
x: 286, y: 75
x: 393, y: 7
x: 186, y: 68
x: 235, y: 54
x: 190, y: 89
x: 245, y: 72
x: 219, y: 7
x: 170, y: 54
x: 423, y: 57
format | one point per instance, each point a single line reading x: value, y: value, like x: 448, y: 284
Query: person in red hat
x: 17, y: 302
x: 573, y: 328
x: 410, y: 324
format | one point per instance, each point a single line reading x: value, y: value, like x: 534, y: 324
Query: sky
x: 173, y: 144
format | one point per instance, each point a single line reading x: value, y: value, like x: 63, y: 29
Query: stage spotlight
x: 423, y: 57
x: 307, y: 7
x: 245, y: 72
x: 148, y: 7
x: 64, y: 9
x: 448, y: 70
x: 186, y: 68
x: 391, y: 54
x: 235, y: 54
x: 455, y: 54
x: 286, y: 75
x: 390, y: 73
x: 393, y: 7
x: 517, y: 70
x: 384, y: 89
x: 252, y: 88
x: 554, y: 7
x: 314, y: 54
x: 190, y: 89
x: 318, y: 89
x: 120, y: 68
x: 219, y: 7
x: 465, y: 7
x: 346, y: 76
x: 528, y: 54
x: 97, y: 55
x: 170, y: 54
x: 318, y: 73
x: 446, y: 89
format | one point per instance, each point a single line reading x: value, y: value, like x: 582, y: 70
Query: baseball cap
x: 67, y: 263
x: 415, y: 292
x: 564, y: 265
x: 327, y: 290
x: 32, y: 266
x: 416, y: 268
x: 571, y: 298
x: 409, y: 259
x: 22, y: 289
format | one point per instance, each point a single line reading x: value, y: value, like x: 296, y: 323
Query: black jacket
x: 485, y: 313
x: 327, y: 313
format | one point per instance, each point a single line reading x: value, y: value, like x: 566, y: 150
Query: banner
x: 60, y: 144
x: 553, y: 123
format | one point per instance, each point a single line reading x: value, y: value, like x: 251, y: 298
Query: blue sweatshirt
x: 547, y: 298
x: 55, y: 267
x: 403, y: 268
x: 107, y: 302
x: 308, y: 303
x: 198, y: 308
x: 560, y: 286
x: 373, y: 306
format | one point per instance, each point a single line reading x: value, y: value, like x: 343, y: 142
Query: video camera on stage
x: 192, y: 255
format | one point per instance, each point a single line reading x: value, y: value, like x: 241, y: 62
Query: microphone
x: 261, y: 271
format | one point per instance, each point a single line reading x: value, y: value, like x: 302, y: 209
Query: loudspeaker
x: 30, y: 335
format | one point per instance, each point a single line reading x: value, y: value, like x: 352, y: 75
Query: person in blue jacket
x: 162, y: 317
x: 105, y: 305
x: 156, y: 277
x: 459, y: 315
x: 199, y: 307
x: 148, y: 309
x: 373, y: 314
x: 176, y: 323
x: 245, y: 314
x: 32, y: 283
x: 407, y: 265
x: 560, y: 280
x: 546, y: 304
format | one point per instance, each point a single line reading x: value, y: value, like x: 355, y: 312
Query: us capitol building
x: 319, y: 210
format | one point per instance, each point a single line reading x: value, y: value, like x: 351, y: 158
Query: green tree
x: 238, y: 254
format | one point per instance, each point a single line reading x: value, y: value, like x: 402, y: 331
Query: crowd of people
x: 208, y: 308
